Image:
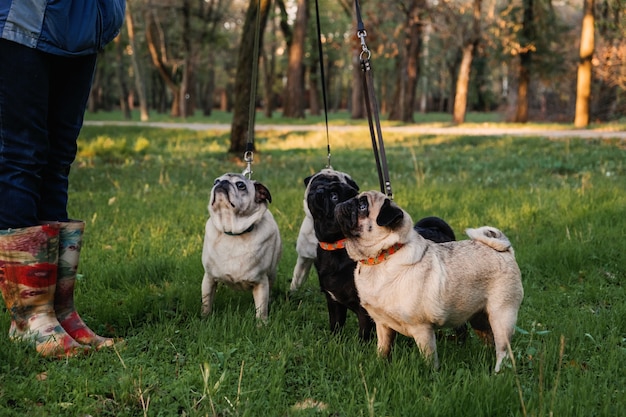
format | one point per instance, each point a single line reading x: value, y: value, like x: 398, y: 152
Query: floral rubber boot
x: 70, y: 242
x: 28, y: 274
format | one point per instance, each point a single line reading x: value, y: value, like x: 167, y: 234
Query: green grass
x: 143, y: 193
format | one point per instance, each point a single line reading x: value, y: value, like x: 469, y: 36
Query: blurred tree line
x: 525, y: 58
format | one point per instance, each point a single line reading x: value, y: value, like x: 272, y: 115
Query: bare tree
x: 408, y: 74
x: 119, y: 72
x: 293, y: 105
x: 158, y: 52
x: 583, y: 87
x: 525, y: 61
x: 268, y: 60
x: 469, y: 49
x: 314, y: 79
x: 140, y: 85
x: 187, y: 96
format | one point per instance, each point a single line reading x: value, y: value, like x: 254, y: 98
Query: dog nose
x: 221, y: 185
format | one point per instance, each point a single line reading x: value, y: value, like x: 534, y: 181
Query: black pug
x: 334, y: 267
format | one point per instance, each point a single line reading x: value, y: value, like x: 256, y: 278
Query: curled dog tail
x: 491, y: 237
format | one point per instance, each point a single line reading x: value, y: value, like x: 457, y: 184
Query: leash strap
x: 371, y: 105
x: 323, y: 78
x: 248, y: 155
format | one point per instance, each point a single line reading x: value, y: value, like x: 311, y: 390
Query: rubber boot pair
x: 37, y: 276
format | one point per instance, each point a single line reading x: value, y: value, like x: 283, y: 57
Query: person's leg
x: 70, y: 243
x: 28, y: 279
x: 23, y: 132
x: 37, y: 146
x: 70, y: 83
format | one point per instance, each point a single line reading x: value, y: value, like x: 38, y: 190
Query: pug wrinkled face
x: 372, y: 222
x: 237, y: 192
x: 325, y: 193
x: 237, y: 201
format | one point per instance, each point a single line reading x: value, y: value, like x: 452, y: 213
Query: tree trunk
x: 453, y: 70
x: 268, y: 78
x: 409, y: 72
x: 357, y: 96
x: 293, y: 105
x: 140, y: 84
x: 208, y: 92
x: 423, y: 105
x: 187, y: 97
x: 462, y: 83
x: 395, y: 112
x: 269, y: 73
x: 95, y: 94
x: 414, y: 47
x: 583, y: 87
x: 241, y: 117
x: 119, y: 73
x: 157, y: 60
x: 314, y: 79
x: 521, y: 114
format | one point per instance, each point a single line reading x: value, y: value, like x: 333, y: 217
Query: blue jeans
x: 42, y: 103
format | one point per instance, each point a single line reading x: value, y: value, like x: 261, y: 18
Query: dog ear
x: 262, y: 193
x: 352, y: 183
x: 307, y: 180
x: 389, y: 214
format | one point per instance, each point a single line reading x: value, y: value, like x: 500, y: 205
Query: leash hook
x: 362, y: 34
x: 248, y: 157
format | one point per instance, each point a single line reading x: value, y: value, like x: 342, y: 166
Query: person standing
x: 48, y: 52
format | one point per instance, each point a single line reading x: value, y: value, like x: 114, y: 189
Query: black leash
x: 372, y: 108
x: 248, y: 155
x: 323, y: 78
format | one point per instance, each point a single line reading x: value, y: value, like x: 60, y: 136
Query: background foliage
x: 188, y: 63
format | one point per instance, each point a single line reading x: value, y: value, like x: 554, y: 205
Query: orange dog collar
x: 386, y: 253
x: 340, y: 244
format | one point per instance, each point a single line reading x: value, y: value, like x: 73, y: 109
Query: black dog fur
x: 335, y: 269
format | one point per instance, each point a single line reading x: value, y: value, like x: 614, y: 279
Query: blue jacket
x: 61, y: 27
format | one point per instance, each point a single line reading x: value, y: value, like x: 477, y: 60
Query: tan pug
x: 242, y: 244
x: 411, y: 286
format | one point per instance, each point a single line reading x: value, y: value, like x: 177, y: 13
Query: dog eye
x: 363, y: 205
x: 334, y: 197
x: 241, y: 185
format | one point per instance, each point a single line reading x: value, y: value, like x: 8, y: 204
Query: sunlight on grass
x: 144, y: 193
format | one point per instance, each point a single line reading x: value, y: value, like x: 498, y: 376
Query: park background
x: 530, y: 60
x: 557, y: 190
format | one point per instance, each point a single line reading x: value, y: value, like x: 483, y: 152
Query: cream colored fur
x: 426, y: 285
x: 242, y: 244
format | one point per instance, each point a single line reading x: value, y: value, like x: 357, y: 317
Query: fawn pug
x: 335, y: 269
x: 412, y: 286
x: 242, y: 244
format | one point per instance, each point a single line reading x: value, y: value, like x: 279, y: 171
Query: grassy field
x: 143, y: 193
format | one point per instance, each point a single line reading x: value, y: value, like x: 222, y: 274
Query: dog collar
x: 249, y: 229
x: 340, y: 244
x: 386, y: 253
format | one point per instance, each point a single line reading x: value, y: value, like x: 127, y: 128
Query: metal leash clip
x: 365, y: 54
x: 248, y: 157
